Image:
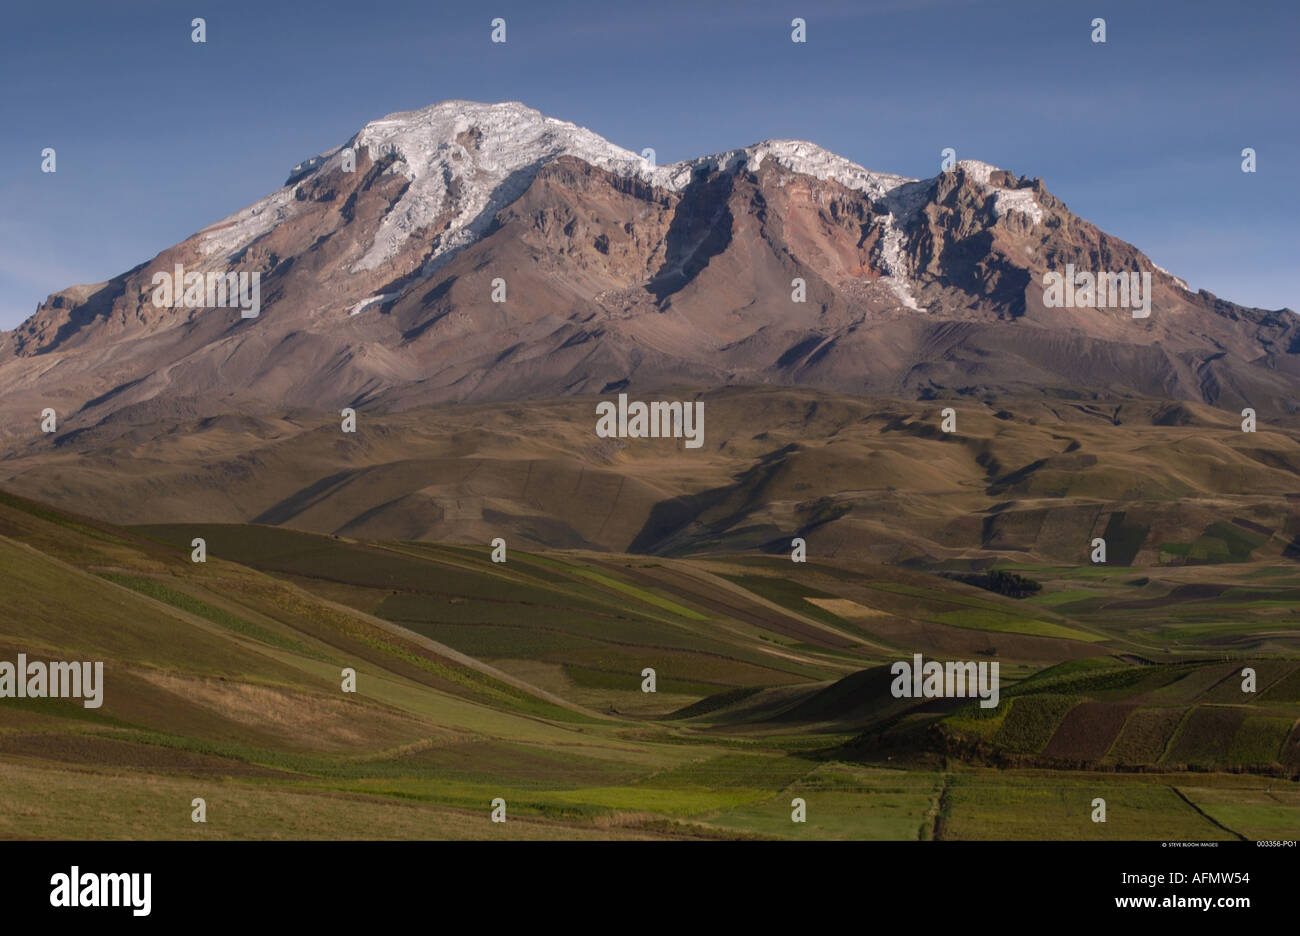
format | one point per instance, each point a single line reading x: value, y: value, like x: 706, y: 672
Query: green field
x: 523, y: 681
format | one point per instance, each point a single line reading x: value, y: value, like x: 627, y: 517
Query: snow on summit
x: 491, y: 152
x: 467, y: 160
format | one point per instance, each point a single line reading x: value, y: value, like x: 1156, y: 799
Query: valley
x: 522, y: 680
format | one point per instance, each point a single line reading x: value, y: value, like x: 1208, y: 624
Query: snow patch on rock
x: 243, y: 227
x: 367, y: 303
x: 979, y: 171
x: 1182, y: 283
x: 1004, y: 200
x: 890, y: 259
x: 1022, y: 200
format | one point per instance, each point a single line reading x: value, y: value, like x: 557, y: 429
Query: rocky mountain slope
x: 377, y: 287
x: 377, y: 291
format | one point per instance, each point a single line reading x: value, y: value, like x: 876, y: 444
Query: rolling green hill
x: 522, y: 680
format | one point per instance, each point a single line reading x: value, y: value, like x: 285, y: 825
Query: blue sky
x: 157, y: 136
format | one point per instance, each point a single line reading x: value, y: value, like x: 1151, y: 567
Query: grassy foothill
x: 524, y: 680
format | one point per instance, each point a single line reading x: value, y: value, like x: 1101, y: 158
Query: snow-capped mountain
x: 486, y: 252
x: 468, y: 160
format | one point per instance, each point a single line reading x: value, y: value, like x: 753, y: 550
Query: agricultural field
x: 523, y: 681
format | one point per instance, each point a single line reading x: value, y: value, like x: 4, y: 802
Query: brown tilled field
x: 1088, y: 731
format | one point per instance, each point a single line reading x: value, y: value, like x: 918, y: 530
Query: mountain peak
x: 775, y: 262
x: 463, y: 158
x: 810, y: 159
x: 466, y: 159
x: 1004, y: 199
x: 978, y: 170
x: 470, y: 159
